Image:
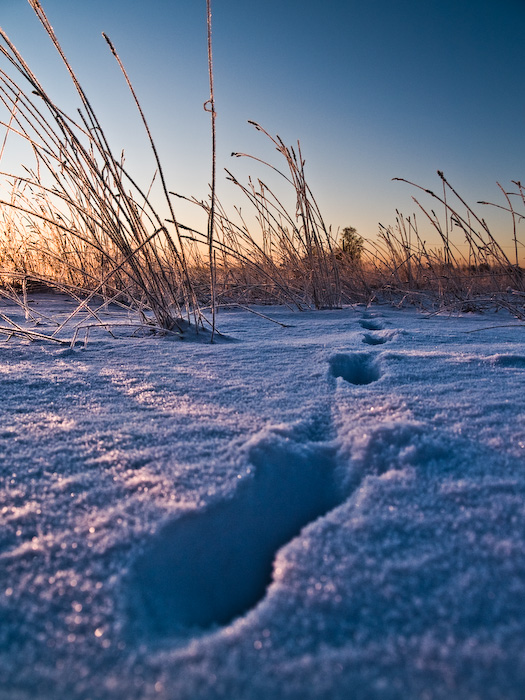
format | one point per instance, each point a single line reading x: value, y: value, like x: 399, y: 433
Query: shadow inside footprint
x: 371, y: 325
x: 370, y: 339
x: 359, y: 368
x: 208, y: 567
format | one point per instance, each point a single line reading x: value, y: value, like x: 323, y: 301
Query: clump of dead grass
x: 78, y: 219
x: 469, y: 270
x: 286, y: 253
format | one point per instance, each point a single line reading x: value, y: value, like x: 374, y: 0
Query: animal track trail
x: 208, y: 567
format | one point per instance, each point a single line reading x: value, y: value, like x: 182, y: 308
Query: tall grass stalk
x: 210, y: 107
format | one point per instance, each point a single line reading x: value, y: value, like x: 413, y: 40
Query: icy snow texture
x: 373, y: 459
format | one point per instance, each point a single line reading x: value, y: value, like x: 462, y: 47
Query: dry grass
x: 406, y: 269
x: 79, y: 218
x: 288, y: 254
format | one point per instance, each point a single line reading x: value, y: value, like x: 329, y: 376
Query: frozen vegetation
x: 329, y: 510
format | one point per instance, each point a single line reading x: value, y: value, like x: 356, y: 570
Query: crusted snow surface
x: 335, y: 510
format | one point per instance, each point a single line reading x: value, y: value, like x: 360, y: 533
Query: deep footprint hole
x: 371, y: 325
x: 359, y: 368
x: 208, y: 567
x: 370, y: 339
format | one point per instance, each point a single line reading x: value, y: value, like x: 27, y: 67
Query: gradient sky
x: 373, y: 89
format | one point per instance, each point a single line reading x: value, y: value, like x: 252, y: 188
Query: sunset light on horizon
x: 373, y: 91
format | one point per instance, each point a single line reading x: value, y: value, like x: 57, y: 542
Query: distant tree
x: 352, y: 243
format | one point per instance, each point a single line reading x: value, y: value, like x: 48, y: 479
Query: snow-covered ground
x: 331, y: 510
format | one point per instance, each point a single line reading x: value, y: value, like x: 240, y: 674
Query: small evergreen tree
x: 352, y: 243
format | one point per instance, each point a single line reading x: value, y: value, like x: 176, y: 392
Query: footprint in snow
x: 371, y: 324
x: 208, y: 567
x: 358, y: 368
x: 371, y: 339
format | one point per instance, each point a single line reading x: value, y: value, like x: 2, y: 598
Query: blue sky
x: 373, y: 90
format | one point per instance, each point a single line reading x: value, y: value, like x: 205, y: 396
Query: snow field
x: 333, y: 510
